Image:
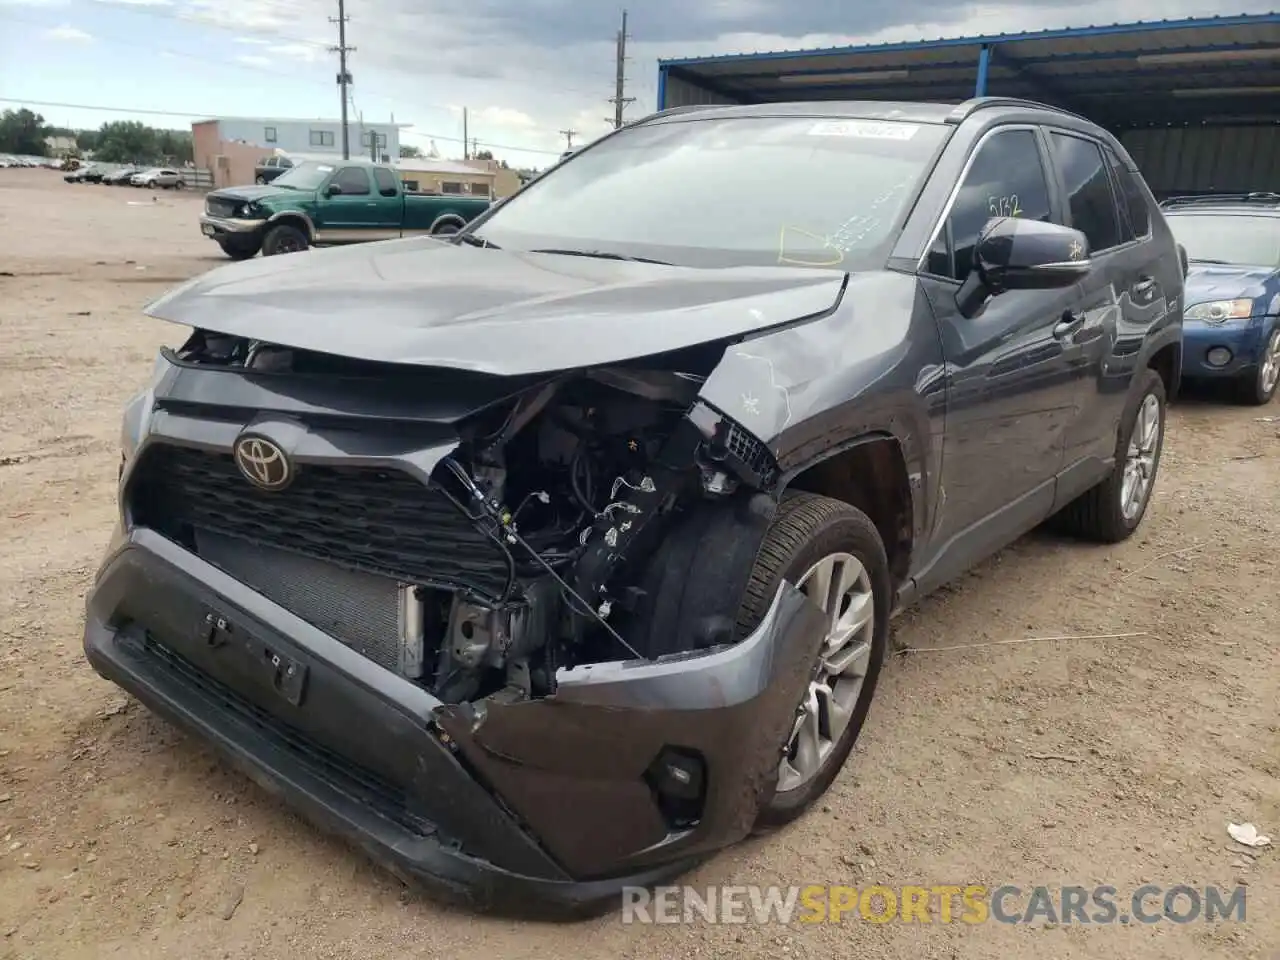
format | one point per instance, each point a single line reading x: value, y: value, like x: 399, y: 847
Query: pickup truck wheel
x: 834, y: 554
x: 447, y: 228
x: 1112, y: 510
x: 259, y: 180
x: 1258, y: 388
x: 284, y: 238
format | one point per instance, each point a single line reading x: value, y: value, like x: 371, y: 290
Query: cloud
x: 138, y: 3
x: 253, y: 60
x: 68, y: 34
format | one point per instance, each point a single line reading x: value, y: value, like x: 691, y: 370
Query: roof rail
x: 1256, y: 196
x: 964, y: 110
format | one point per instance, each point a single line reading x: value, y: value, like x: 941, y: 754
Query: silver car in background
x: 164, y: 177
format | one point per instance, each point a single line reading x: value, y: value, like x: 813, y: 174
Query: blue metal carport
x: 1196, y: 102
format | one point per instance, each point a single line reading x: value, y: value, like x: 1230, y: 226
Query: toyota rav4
x: 554, y: 556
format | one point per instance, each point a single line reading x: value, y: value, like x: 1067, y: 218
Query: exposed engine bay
x: 575, y: 482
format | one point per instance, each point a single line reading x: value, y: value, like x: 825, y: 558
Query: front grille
x: 361, y: 610
x: 388, y: 799
x: 372, y: 520
x: 217, y: 207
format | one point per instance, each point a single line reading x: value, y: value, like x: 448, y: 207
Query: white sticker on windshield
x: 866, y: 129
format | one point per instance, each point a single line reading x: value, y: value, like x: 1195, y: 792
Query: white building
x: 313, y: 137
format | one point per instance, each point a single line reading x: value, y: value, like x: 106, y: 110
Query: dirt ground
x: 1079, y: 761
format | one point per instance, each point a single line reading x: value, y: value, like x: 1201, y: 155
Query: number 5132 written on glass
x: 1004, y: 206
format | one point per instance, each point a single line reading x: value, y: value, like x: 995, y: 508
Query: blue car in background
x: 1231, y: 327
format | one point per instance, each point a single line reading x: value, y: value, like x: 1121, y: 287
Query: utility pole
x: 475, y: 146
x: 344, y: 78
x: 618, y: 100
x: 466, y: 155
x: 568, y: 138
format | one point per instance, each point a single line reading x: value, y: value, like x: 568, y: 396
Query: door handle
x: 1069, y: 324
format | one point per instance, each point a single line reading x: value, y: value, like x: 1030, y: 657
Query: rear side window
x: 1129, y: 195
x: 386, y: 181
x: 1088, y: 185
x: 1006, y: 179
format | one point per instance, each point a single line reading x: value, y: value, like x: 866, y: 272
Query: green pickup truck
x: 322, y: 204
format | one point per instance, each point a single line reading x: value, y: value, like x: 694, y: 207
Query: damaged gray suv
x: 554, y: 556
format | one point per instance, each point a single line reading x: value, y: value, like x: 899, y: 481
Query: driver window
x: 1007, y: 179
x: 354, y: 181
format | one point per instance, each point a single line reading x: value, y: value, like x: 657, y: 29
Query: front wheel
x: 1257, y: 389
x: 446, y: 229
x: 240, y: 251
x: 1112, y: 511
x: 284, y: 238
x: 834, y: 555
x: 259, y: 180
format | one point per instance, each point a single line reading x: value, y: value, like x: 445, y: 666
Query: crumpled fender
x: 571, y: 765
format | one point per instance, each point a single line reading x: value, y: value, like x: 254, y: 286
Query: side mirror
x: 1016, y: 254
x: 332, y: 190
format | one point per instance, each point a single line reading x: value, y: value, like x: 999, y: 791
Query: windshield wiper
x: 472, y: 240
x: 1218, y: 263
x: 601, y: 255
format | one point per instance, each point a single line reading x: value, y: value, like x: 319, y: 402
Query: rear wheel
x: 447, y: 228
x: 1257, y: 388
x: 284, y: 238
x: 832, y: 553
x: 259, y: 180
x: 1112, y: 510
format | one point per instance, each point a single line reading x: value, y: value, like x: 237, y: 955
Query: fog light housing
x: 678, y: 779
x: 1218, y: 356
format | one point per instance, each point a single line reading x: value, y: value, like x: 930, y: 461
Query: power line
x: 344, y: 76
x: 618, y: 100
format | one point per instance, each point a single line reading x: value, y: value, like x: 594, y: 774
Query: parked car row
x: 164, y: 178
x: 11, y: 160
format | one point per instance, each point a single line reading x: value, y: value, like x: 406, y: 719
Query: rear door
x: 1010, y: 390
x: 1119, y: 300
x: 391, y: 207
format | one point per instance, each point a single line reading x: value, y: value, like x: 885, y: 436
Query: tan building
x: 505, y: 181
x: 427, y: 175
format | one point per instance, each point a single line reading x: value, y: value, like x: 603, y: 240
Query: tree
x: 23, y: 132
x: 408, y: 152
x: 126, y: 141
x: 484, y: 155
x: 176, y: 146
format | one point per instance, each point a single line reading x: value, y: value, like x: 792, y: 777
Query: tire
x: 1258, y: 387
x: 180, y: 185
x: 260, y: 180
x: 151, y: 184
x: 448, y: 228
x: 1099, y: 514
x: 807, y: 529
x: 284, y: 238
x: 240, y: 252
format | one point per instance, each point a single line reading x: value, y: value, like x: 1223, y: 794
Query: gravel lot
x: 1062, y: 762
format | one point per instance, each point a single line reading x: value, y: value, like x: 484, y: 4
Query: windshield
x: 305, y: 176
x: 1229, y: 238
x: 754, y: 191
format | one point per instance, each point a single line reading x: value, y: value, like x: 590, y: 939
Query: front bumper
x: 1243, y: 338
x: 532, y: 808
x: 229, y: 228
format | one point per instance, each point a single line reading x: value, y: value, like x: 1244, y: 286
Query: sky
x: 525, y: 69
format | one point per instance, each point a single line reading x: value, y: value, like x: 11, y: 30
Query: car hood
x: 250, y: 193
x: 1211, y: 281
x: 427, y: 302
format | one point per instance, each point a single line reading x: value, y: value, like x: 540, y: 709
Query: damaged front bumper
x: 545, y: 807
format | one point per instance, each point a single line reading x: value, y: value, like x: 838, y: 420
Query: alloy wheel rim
x: 840, y: 585
x: 1270, y: 372
x: 1140, y: 462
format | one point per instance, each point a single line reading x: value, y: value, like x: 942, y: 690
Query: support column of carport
x: 984, y: 64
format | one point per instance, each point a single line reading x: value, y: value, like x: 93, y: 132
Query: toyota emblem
x: 263, y: 463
